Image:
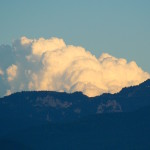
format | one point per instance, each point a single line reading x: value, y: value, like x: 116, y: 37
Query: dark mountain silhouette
x: 55, y: 106
x: 125, y: 131
x: 53, y: 120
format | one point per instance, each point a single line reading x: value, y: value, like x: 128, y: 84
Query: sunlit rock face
x: 51, y: 64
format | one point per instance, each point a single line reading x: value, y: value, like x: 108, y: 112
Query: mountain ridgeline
x: 52, y: 120
x: 55, y: 106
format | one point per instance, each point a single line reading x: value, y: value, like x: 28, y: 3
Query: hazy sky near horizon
x: 118, y: 27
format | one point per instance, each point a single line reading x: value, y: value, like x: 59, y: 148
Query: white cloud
x: 41, y: 45
x: 50, y: 64
x: 12, y: 72
x: 25, y: 41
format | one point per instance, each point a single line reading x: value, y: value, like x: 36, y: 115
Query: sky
x: 120, y: 28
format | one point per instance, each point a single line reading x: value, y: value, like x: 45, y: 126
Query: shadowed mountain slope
x: 55, y: 106
x: 52, y: 120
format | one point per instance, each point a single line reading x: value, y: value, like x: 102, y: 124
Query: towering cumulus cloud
x: 50, y: 64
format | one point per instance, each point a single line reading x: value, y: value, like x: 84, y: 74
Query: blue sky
x: 118, y: 27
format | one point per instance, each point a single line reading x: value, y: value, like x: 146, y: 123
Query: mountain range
x: 52, y: 120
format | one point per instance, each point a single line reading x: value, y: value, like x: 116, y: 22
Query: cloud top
x: 50, y: 64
